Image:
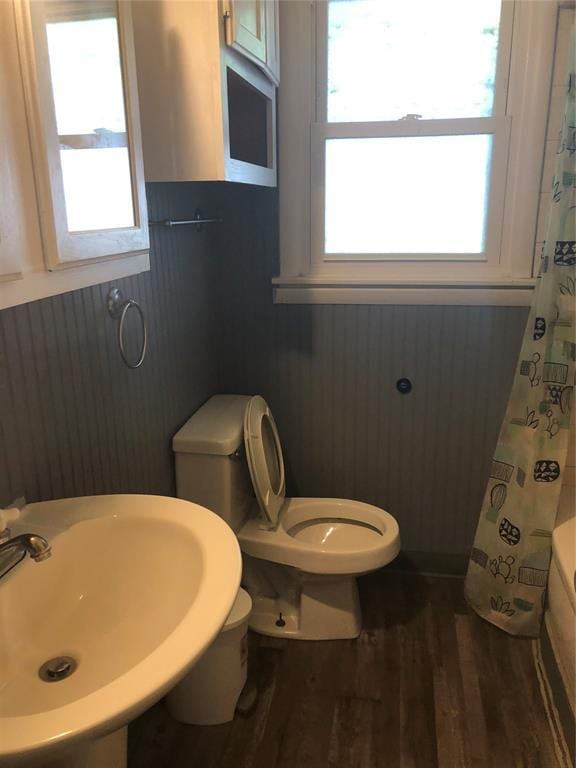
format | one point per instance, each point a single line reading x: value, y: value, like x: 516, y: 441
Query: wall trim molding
x: 430, y: 563
x: 512, y: 293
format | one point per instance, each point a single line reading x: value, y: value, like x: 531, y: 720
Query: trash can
x: 210, y: 691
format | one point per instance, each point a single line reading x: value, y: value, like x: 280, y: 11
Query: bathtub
x: 560, y: 617
x: 557, y: 645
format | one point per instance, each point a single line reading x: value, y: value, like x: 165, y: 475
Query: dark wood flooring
x: 427, y: 684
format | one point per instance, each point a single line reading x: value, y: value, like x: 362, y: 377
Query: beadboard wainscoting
x: 73, y: 419
x: 330, y: 373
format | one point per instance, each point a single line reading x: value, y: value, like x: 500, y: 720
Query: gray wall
x: 329, y: 374
x: 73, y: 418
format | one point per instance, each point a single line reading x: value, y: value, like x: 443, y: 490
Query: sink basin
x: 136, y: 589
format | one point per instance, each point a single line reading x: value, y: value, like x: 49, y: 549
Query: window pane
x: 407, y: 194
x: 97, y: 204
x: 86, y: 75
x: 391, y: 58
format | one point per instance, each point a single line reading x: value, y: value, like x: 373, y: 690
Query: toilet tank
x: 211, y: 467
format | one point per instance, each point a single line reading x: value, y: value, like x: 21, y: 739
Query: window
x: 408, y: 172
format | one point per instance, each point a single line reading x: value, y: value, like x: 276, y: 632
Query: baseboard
x: 430, y: 563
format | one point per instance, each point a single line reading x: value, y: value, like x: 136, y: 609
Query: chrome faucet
x: 26, y: 544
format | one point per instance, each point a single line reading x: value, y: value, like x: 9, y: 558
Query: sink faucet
x: 19, y: 546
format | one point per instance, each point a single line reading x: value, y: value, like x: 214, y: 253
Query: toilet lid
x: 264, y: 456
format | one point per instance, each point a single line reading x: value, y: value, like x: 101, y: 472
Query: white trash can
x: 209, y: 693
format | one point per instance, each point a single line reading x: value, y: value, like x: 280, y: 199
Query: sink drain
x: 57, y: 669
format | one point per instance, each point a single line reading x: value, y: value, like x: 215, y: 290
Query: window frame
x: 519, y: 119
x: 497, y: 127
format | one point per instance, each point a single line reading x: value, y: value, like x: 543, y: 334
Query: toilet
x: 301, y: 556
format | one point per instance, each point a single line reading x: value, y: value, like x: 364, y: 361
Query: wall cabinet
x: 208, y: 111
x: 72, y: 202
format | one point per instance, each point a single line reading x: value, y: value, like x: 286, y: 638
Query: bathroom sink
x: 136, y: 589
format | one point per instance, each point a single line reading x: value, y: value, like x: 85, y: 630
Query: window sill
x: 308, y: 290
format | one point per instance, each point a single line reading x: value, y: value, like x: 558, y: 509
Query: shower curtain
x: 508, y: 568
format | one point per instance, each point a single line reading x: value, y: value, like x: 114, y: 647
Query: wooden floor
x: 426, y: 684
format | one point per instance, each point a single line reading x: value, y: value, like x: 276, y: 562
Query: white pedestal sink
x: 136, y: 589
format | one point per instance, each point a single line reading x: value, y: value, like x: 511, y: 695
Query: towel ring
x: 118, y: 307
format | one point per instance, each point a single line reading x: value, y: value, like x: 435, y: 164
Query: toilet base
x: 291, y: 604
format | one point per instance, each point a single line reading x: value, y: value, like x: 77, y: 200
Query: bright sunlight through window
x: 398, y: 61
x: 89, y: 101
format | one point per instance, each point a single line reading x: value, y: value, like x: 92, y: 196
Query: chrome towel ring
x: 118, y: 307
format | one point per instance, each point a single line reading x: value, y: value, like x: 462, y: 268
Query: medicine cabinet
x: 208, y: 110
x: 71, y: 176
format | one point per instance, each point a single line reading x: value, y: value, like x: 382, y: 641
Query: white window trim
x: 433, y: 265
x: 508, y: 282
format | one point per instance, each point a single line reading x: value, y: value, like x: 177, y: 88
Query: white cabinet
x: 72, y: 202
x: 208, y: 113
x: 252, y: 29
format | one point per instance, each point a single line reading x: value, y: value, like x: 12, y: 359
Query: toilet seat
x: 265, y: 460
x: 325, y: 536
x: 329, y: 536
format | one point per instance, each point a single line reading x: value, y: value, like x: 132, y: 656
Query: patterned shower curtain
x: 508, y: 568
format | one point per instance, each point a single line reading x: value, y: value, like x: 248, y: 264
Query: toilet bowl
x: 325, y: 542
x: 301, y: 556
x: 302, y: 574
x: 331, y: 536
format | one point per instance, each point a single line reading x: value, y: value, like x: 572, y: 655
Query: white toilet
x: 302, y: 555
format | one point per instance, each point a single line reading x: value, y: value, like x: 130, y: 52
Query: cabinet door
x: 273, y: 41
x: 252, y: 30
x: 79, y: 80
x: 246, y: 28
